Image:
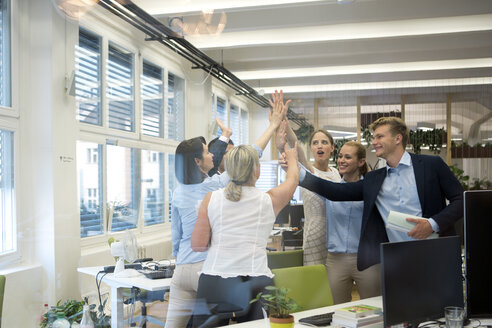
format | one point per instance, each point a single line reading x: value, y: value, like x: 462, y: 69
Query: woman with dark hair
x: 343, y: 226
x: 192, y: 163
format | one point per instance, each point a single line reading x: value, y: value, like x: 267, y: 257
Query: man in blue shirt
x: 410, y: 183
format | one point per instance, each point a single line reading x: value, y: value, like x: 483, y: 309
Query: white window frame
x: 9, y: 120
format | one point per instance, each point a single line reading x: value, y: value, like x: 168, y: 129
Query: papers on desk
x: 397, y: 221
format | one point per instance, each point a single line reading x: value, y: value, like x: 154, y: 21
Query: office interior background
x: 91, y: 111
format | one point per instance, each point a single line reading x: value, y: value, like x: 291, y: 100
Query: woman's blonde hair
x: 240, y: 163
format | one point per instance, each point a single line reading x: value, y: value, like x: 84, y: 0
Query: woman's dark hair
x: 185, y: 168
x: 360, y: 152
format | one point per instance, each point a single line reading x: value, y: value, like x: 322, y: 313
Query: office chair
x: 308, y: 285
x: 145, y: 297
x: 285, y: 259
x: 219, y: 299
x: 292, y: 239
x: 297, y: 216
x: 2, y: 291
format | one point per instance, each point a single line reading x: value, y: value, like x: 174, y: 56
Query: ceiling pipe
x: 156, y: 31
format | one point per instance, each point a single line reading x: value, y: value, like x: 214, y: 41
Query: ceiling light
x: 379, y: 85
x: 73, y: 9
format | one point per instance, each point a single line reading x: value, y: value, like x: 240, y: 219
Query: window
x: 221, y: 113
x: 5, y: 84
x: 123, y: 194
x: 153, y: 186
x: 88, y: 78
x: 121, y: 110
x: 175, y: 107
x: 243, y: 123
x: 152, y: 87
x: 90, y: 186
x: 268, y: 176
x: 234, y: 124
x: 7, y: 195
x: 172, y: 183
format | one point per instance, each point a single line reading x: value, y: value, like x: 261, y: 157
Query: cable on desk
x: 98, y: 285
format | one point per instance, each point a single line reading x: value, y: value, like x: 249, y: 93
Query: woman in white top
x: 236, y: 221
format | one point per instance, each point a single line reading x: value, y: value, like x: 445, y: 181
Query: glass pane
x: 221, y: 113
x: 120, y: 89
x: 234, y: 124
x: 7, y: 194
x: 88, y: 78
x: 89, y: 167
x: 152, y: 87
x: 268, y: 176
x: 244, y: 123
x: 153, y: 186
x: 175, y: 108
x: 123, y: 197
x: 171, y: 180
x: 5, y: 84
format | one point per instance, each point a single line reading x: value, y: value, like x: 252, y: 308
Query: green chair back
x: 285, y: 259
x: 2, y: 290
x: 308, y: 285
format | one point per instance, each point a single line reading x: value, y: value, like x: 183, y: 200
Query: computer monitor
x: 296, y: 215
x: 419, y: 279
x: 283, y: 216
x: 478, y: 259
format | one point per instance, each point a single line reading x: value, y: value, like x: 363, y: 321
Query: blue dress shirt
x: 399, y: 193
x: 184, y: 212
x: 343, y: 225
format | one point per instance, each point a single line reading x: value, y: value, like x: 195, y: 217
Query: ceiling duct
x: 156, y: 31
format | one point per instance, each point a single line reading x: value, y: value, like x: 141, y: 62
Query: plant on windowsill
x: 278, y: 305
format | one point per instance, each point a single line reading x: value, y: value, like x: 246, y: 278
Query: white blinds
x: 4, y: 53
x: 88, y: 78
x: 120, y: 89
x: 175, y: 107
x: 243, y: 122
x: 152, y: 87
x: 221, y: 113
x: 234, y: 124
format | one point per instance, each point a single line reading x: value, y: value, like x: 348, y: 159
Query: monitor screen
x: 296, y: 215
x: 283, y: 216
x: 478, y: 260
x: 419, y: 279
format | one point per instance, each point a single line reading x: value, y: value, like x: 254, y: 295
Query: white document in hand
x: 397, y: 221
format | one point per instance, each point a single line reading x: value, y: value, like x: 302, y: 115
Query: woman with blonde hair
x: 234, y: 223
x: 343, y: 226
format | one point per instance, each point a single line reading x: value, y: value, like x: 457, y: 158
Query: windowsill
x: 15, y: 268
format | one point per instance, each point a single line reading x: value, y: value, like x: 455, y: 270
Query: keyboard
x: 319, y: 320
x: 157, y: 274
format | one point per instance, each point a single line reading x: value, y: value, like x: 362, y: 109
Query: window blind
x: 221, y: 113
x: 175, y: 108
x: 244, y: 127
x: 120, y: 89
x: 5, y: 84
x: 268, y: 176
x: 88, y: 78
x: 234, y: 124
x: 152, y: 100
x: 7, y: 199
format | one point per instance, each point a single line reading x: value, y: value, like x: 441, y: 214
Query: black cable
x: 98, y: 285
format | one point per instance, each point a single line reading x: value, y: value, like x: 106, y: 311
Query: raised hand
x: 226, y: 131
x: 281, y: 136
x: 279, y: 109
x: 290, y: 154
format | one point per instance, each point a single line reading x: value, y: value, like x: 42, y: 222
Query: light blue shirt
x: 343, y: 225
x: 184, y: 212
x: 399, y: 193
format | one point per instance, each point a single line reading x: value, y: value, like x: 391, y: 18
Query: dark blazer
x: 435, y: 184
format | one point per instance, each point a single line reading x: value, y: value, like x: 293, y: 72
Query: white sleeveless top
x: 240, y: 232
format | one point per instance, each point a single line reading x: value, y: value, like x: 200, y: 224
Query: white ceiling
x: 324, y: 49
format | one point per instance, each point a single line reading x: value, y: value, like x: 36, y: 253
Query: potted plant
x: 278, y: 305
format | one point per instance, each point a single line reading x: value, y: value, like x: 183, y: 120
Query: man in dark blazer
x: 412, y: 184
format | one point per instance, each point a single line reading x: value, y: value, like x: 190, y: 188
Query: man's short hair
x: 211, y: 143
x: 397, y: 126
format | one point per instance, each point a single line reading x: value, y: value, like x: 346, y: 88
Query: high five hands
x: 279, y: 108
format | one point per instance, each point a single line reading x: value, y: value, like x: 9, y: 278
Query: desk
x: 374, y: 301
x: 117, y: 285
